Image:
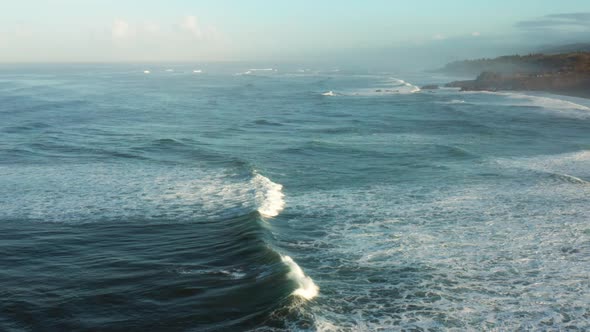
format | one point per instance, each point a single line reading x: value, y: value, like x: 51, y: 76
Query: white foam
x: 411, y: 87
x: 547, y: 102
x: 398, y: 81
x: 452, y: 102
x: 458, y: 250
x: 197, y: 71
x: 269, y: 196
x: 146, y: 72
x: 560, y: 166
x: 83, y: 194
x: 233, y: 274
x: 307, y: 289
x: 392, y: 86
x: 248, y: 72
x: 329, y: 94
x: 256, y: 70
x: 262, y: 69
x: 560, y: 104
x: 415, y: 89
x: 571, y: 179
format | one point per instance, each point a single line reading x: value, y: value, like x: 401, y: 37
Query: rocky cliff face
x: 532, y: 63
x: 567, y: 74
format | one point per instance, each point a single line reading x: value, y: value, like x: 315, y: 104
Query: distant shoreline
x: 573, y: 93
x: 561, y: 74
x: 578, y: 94
x: 581, y: 91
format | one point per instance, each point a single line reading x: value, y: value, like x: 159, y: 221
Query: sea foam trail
x: 556, y: 103
x: 256, y: 70
x: 269, y: 196
x: 547, y: 102
x: 392, y: 86
x: 412, y: 88
x: 307, y: 289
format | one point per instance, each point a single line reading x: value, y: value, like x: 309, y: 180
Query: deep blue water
x: 238, y: 199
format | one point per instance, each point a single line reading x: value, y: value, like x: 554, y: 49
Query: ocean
x: 229, y: 198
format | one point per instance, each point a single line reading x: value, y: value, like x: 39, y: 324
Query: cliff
x: 567, y: 74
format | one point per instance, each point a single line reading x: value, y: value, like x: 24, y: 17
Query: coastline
x: 566, y: 74
x: 578, y: 94
x: 573, y: 93
x: 579, y: 88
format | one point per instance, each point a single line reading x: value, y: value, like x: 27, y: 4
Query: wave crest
x: 307, y: 289
x: 269, y: 196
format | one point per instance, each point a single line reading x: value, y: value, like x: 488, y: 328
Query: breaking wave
x: 392, y: 86
x: 307, y: 289
x: 269, y: 196
x: 547, y: 102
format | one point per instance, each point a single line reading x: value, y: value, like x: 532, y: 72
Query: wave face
x: 254, y: 203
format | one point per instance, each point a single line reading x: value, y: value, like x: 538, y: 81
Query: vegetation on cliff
x: 533, y: 63
x: 567, y: 73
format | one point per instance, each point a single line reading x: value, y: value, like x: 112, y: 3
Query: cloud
x: 191, y: 24
x: 121, y: 30
x: 152, y: 27
x: 564, y: 22
x: 439, y: 36
x: 198, y: 30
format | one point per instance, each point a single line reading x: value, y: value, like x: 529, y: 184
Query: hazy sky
x: 220, y: 30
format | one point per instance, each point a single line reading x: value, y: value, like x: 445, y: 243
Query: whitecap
x: 262, y: 69
x: 307, y: 289
x: 393, y: 86
x: 269, y: 196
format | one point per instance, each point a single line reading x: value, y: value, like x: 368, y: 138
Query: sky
x: 279, y: 30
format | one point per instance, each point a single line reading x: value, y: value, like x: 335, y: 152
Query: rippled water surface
x: 269, y: 200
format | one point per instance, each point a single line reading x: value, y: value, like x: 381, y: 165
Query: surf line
x: 271, y: 201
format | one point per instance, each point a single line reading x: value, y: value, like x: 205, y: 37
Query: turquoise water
x: 235, y: 199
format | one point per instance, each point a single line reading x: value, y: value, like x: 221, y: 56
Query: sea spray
x: 269, y: 196
x: 306, y: 288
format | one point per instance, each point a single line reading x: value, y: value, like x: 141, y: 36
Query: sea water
x: 229, y: 198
